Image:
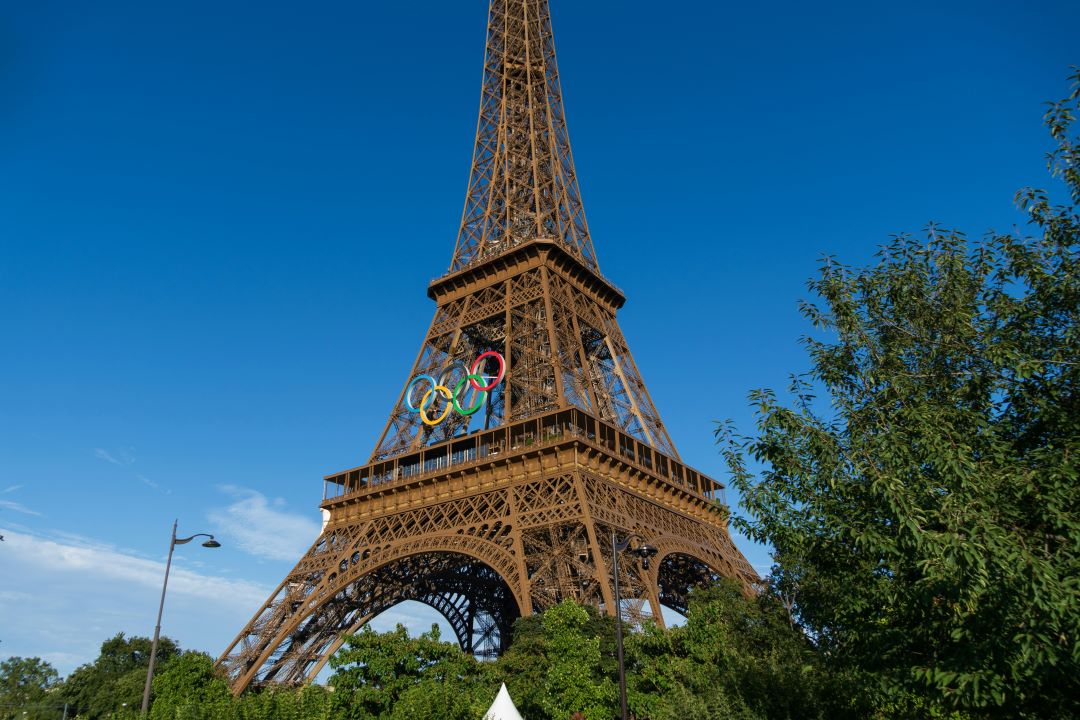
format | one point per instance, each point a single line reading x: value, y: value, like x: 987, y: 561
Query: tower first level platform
x: 487, y: 527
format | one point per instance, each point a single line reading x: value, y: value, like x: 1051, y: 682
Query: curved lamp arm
x: 211, y: 543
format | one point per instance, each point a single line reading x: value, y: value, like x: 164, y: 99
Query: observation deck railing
x: 512, y: 440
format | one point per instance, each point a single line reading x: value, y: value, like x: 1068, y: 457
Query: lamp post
x: 210, y: 543
x: 645, y: 552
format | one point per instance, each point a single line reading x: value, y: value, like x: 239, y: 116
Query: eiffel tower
x: 524, y: 435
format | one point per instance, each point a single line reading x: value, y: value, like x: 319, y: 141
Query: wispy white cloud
x: 14, y: 595
x: 74, y: 593
x: 262, y: 527
x: 124, y: 459
x: 13, y: 488
x: 17, y: 507
x: 151, y: 484
x: 109, y: 563
x: 102, y: 454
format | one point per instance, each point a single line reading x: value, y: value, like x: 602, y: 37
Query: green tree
x: 526, y: 664
x: 523, y: 667
x: 575, y: 681
x: 115, y: 680
x: 275, y: 703
x: 430, y: 699
x: 735, y: 657
x: 25, y: 685
x: 188, y: 687
x: 374, y: 671
x: 925, y: 521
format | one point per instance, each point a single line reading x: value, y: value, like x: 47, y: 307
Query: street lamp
x: 645, y: 552
x: 210, y: 543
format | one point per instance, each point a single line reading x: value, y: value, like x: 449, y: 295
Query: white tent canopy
x: 503, y: 707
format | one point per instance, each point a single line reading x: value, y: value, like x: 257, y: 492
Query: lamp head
x: 211, y: 543
x: 645, y: 552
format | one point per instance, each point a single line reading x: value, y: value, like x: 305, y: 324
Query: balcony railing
x: 516, y: 439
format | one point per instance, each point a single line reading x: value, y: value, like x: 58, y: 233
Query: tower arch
x: 305, y: 622
x: 679, y: 569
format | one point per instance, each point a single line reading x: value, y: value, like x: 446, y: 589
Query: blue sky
x: 218, y: 220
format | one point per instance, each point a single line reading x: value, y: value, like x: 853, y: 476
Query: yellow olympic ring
x: 445, y: 391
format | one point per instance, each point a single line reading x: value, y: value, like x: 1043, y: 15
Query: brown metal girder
x: 419, y: 439
x: 529, y: 167
x: 529, y: 70
x: 596, y: 545
x: 630, y: 392
x: 632, y: 479
x: 326, y: 591
x: 504, y: 265
x: 668, y: 545
x: 553, y: 338
x: 615, y: 486
x: 648, y: 397
x: 682, y: 504
x: 676, y: 505
x: 594, y: 451
x: 672, y: 525
x: 358, y: 624
x: 267, y: 605
x: 336, y: 645
x: 400, y: 397
x: 280, y: 671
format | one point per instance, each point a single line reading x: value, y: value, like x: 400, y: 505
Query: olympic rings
x: 472, y: 380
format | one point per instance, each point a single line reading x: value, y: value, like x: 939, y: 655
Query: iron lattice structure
x: 507, y: 511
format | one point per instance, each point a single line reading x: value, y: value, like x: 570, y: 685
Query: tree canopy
x: 735, y: 657
x: 392, y: 675
x: 924, y: 519
x: 25, y: 685
x: 115, y: 680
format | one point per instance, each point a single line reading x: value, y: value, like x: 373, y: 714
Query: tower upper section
x: 522, y: 185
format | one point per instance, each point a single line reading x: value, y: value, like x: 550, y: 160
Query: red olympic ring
x: 475, y: 370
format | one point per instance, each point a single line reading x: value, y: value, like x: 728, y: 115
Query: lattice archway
x: 678, y: 571
x: 470, y: 581
x: 473, y: 599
